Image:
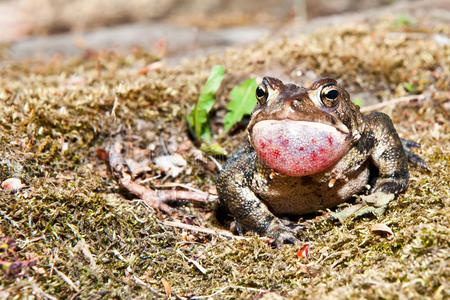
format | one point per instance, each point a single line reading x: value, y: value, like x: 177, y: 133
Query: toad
x: 309, y: 149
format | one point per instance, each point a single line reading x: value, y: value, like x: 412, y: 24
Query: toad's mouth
x: 299, y: 148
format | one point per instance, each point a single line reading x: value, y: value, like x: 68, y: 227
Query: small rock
x: 12, y: 184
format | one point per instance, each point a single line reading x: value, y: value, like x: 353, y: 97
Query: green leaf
x: 214, y: 149
x: 198, y: 118
x: 402, y: 20
x: 358, y: 101
x: 243, y: 101
x: 409, y: 87
x: 206, y: 134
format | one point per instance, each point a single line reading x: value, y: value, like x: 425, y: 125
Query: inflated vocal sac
x: 298, y: 148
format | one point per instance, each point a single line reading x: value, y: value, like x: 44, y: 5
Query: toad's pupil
x: 260, y: 92
x: 332, y: 94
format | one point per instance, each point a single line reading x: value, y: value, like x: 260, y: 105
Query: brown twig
x: 67, y: 280
x: 154, y: 198
x: 37, y: 290
x: 195, y: 263
x: 139, y: 281
x: 414, y: 99
x: 215, y: 232
x: 221, y: 290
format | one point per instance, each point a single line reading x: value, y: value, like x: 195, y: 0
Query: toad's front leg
x: 388, y: 156
x: 381, y: 143
x: 245, y: 206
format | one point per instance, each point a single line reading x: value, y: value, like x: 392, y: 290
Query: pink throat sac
x: 298, y: 148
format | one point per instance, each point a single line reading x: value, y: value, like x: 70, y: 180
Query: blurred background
x: 175, y: 27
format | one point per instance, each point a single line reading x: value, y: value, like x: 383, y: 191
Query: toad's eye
x: 261, y: 93
x: 329, y: 95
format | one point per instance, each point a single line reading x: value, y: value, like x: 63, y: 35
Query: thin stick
x: 139, y: 281
x: 248, y: 288
x: 4, y: 215
x: 185, y: 186
x: 39, y: 291
x: 408, y: 99
x: 67, y: 279
x: 154, y: 198
x: 221, y: 290
x: 116, y: 102
x: 196, y: 264
x: 215, y: 232
x: 218, y: 165
x: 177, y: 195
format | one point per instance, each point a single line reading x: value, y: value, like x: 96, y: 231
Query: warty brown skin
x: 256, y: 195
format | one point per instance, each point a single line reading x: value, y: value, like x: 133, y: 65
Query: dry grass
x: 77, y: 234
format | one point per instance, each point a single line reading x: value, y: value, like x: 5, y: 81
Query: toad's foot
x: 281, y: 234
x: 414, y: 159
x: 375, y: 204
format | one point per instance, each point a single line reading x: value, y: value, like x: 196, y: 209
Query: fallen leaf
x: 382, y: 230
x: 151, y: 67
x: 10, y: 264
x: 172, y: 165
x: 137, y: 168
x: 143, y: 70
x: 378, y: 199
x: 102, y: 154
x: 303, y: 252
x: 198, y: 155
x: 12, y: 184
x: 167, y: 287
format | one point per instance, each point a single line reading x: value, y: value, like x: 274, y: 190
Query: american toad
x: 309, y: 149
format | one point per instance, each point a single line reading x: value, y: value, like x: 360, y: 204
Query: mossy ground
x: 79, y: 235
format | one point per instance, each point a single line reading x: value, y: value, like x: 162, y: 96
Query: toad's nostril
x: 295, y: 104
